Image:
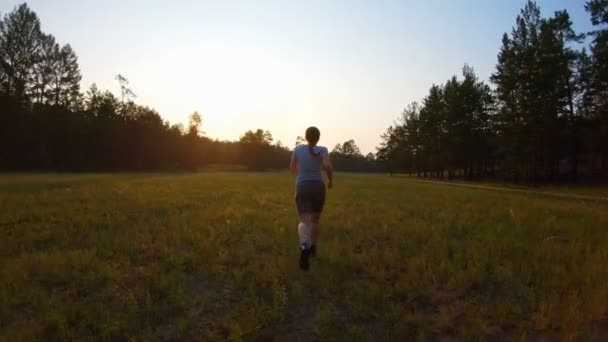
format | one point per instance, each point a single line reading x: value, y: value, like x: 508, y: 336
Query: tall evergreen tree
x: 561, y: 66
x: 44, y: 69
x: 65, y: 78
x: 535, y: 91
x: 20, y: 42
x: 599, y: 79
x: 475, y: 127
x: 432, y: 131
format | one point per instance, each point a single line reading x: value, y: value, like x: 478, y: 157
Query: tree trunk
x: 575, y: 155
x: 471, y: 170
x: 603, y: 163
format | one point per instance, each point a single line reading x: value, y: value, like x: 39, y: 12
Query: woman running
x: 308, y: 161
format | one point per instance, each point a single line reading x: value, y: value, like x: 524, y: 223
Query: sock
x: 304, y: 245
x: 304, y: 234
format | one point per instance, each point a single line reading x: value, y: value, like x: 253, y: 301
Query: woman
x: 308, y: 161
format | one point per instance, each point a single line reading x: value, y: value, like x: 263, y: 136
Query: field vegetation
x: 214, y: 256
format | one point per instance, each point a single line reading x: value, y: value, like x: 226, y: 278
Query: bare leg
x: 304, y: 230
x: 315, y: 219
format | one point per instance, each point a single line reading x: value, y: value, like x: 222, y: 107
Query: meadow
x: 214, y: 256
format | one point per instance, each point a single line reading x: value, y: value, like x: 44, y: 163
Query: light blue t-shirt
x: 309, y: 166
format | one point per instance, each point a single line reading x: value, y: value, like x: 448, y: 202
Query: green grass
x: 583, y: 189
x: 213, y: 256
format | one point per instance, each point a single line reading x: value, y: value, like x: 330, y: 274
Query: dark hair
x: 312, y: 137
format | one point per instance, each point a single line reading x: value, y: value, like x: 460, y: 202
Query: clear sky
x: 348, y: 67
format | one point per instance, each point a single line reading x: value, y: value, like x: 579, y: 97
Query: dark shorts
x: 310, y: 197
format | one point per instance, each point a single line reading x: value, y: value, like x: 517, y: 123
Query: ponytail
x: 316, y: 155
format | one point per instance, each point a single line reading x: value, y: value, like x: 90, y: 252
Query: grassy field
x: 583, y: 189
x: 213, y: 256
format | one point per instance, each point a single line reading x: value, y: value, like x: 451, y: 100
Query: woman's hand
x: 293, y: 165
x: 329, y: 170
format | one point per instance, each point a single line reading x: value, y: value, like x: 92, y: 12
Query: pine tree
x: 20, y: 40
x: 65, y: 79
x: 599, y: 79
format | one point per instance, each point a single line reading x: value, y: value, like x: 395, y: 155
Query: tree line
x: 47, y: 123
x: 544, y: 117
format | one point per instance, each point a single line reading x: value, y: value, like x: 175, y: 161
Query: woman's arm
x: 293, y: 166
x: 329, y: 169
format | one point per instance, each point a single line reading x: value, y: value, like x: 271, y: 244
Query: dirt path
x: 561, y: 195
